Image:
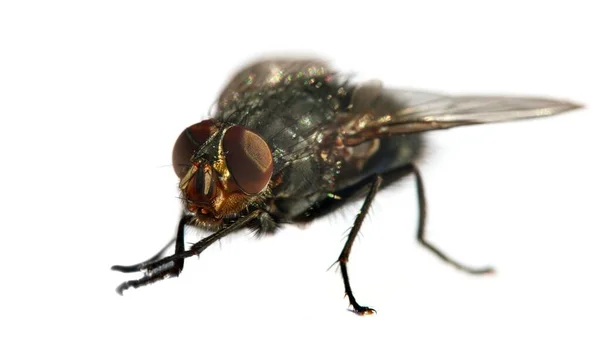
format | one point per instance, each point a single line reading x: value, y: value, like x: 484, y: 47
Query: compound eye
x: 188, y: 142
x: 248, y: 159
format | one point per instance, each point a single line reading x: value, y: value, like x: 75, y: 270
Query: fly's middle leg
x: 374, y: 185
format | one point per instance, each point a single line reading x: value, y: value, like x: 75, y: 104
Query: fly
x: 291, y: 140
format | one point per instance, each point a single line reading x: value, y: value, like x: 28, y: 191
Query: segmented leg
x: 345, y: 254
x: 171, y: 266
x: 421, y: 229
x: 179, y: 247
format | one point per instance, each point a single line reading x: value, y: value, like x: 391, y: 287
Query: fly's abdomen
x: 377, y: 156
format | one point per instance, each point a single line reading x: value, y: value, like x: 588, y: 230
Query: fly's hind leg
x: 375, y: 184
x: 421, y: 229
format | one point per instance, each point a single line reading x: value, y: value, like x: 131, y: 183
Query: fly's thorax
x: 288, y: 116
x: 223, y: 169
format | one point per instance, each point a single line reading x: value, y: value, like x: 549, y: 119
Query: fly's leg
x: 421, y: 229
x: 171, y: 266
x: 343, y: 259
x: 179, y: 247
x: 137, y: 267
x: 173, y: 270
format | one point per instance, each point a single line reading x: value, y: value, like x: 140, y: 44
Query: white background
x: 92, y: 97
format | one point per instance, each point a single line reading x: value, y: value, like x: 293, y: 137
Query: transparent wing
x: 381, y: 112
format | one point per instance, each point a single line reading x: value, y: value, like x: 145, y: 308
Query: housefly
x: 291, y: 140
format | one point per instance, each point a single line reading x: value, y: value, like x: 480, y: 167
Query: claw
x: 363, y: 311
x: 122, y: 287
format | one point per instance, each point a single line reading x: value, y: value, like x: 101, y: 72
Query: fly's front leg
x: 179, y: 247
x: 345, y: 254
x: 171, y: 266
x: 165, y: 272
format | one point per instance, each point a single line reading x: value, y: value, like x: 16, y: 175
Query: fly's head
x: 222, y: 170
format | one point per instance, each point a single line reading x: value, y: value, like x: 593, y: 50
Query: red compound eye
x: 188, y: 142
x: 248, y: 159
